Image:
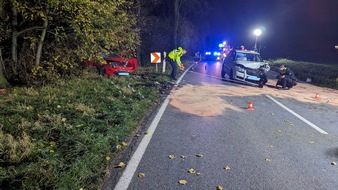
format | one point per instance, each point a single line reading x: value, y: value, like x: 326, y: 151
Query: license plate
x: 123, y: 73
x: 253, y: 78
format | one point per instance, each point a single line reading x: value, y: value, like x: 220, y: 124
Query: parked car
x: 243, y: 65
x: 212, y: 56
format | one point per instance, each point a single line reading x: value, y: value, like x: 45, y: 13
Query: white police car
x: 243, y: 65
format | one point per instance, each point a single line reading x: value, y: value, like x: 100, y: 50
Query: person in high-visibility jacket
x: 175, y: 61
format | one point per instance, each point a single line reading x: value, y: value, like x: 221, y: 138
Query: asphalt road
x: 267, y: 148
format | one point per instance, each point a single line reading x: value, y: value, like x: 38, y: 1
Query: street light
x: 257, y: 32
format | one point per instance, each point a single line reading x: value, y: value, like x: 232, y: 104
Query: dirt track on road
x: 205, y: 100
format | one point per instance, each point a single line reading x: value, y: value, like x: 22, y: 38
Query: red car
x: 116, y: 66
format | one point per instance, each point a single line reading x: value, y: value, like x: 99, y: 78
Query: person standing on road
x: 175, y: 61
x: 286, y: 78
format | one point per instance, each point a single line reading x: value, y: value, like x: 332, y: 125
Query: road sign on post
x: 155, y: 57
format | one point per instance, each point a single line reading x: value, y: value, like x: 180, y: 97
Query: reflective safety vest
x: 176, y: 55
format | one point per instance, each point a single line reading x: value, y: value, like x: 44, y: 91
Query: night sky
x: 305, y: 30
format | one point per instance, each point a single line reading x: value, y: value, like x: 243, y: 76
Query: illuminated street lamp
x: 257, y: 32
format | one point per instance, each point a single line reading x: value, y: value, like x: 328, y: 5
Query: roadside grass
x: 64, y: 136
x: 324, y: 75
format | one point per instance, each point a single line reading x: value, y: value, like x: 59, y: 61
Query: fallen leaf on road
x: 199, y: 155
x: 271, y: 146
x: 267, y: 159
x: 147, y: 133
x: 291, y: 124
x: 219, y: 187
x: 333, y: 163
x: 226, y: 168
x: 278, y: 130
x: 311, y: 142
x: 183, y: 182
x: 183, y: 156
x: 140, y: 175
x: 198, y: 174
x: 121, y: 165
x: 124, y: 144
x: 171, y: 156
x: 137, y: 135
x: 191, y: 171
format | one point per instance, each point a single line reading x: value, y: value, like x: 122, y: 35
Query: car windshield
x: 248, y: 57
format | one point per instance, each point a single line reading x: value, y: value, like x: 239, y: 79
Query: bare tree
x: 194, y: 5
x: 3, y: 80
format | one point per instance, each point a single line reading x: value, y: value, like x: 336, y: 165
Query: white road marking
x: 132, y: 165
x: 300, y: 117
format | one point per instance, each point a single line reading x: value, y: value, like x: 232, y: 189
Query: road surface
x: 284, y: 143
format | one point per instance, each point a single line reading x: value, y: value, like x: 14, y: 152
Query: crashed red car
x: 115, y: 66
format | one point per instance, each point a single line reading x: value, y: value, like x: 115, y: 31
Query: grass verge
x: 64, y: 136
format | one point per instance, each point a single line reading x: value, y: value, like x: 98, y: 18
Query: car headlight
x: 240, y: 69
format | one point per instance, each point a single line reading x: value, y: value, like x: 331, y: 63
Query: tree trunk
x: 1, y: 8
x: 14, y: 33
x: 42, y: 38
x: 138, y: 50
x: 177, y: 15
x: 3, y: 80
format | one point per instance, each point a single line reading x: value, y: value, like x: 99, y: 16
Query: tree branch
x: 29, y: 29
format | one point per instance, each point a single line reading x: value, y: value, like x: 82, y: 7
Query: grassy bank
x: 63, y: 136
x: 320, y: 74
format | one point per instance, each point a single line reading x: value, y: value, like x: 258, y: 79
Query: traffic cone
x: 317, y: 97
x: 250, y: 106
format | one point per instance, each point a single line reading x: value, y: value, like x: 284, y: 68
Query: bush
x: 321, y: 74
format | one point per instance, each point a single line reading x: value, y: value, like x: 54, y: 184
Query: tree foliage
x: 48, y: 39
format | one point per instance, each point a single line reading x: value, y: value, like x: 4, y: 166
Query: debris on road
x: 171, y: 156
x: 140, y: 175
x: 183, y: 182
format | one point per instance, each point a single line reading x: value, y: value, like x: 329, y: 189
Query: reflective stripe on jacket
x: 176, y: 55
